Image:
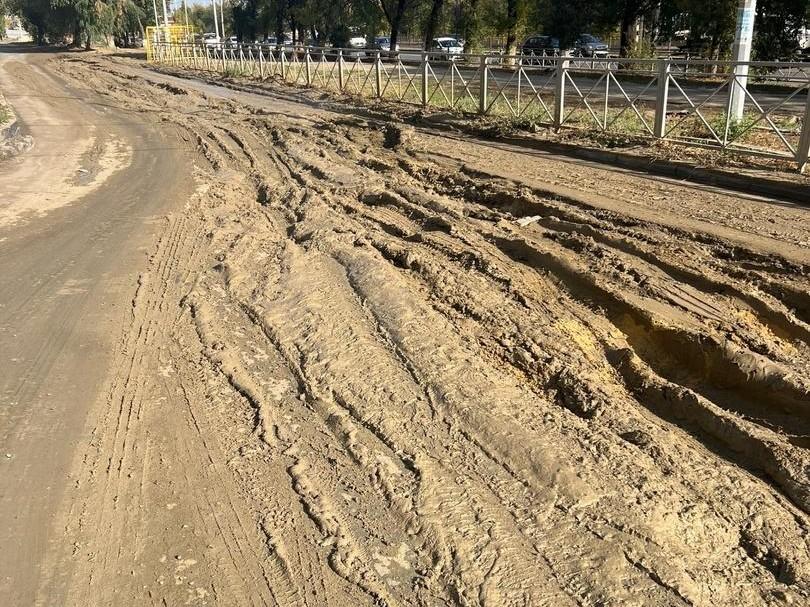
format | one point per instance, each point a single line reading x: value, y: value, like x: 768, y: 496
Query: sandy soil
x: 370, y: 365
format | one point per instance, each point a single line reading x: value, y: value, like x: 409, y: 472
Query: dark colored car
x: 382, y: 44
x: 590, y: 46
x: 541, y: 45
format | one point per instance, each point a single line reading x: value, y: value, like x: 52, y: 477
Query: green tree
x: 777, y: 28
x: 711, y: 25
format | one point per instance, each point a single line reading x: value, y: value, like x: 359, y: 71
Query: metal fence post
x: 424, y: 79
x: 340, y: 70
x: 803, y: 151
x: 224, y: 70
x: 559, y: 91
x: 282, y: 60
x: 308, y: 66
x: 261, y: 64
x: 607, y: 97
x: 378, y: 74
x: 483, y: 86
x: 661, y: 98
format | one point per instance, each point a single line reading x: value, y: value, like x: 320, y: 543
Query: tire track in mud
x: 431, y: 386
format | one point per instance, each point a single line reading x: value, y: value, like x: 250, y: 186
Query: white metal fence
x: 685, y: 101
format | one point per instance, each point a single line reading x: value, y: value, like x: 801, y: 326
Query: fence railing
x: 760, y: 108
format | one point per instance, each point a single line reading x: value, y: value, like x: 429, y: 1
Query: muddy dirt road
x: 364, y: 364
x: 68, y: 274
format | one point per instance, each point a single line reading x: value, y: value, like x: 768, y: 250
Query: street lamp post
x: 742, y: 52
x: 216, y: 22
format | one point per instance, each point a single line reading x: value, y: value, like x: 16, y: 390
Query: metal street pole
x: 165, y: 15
x: 216, y: 22
x: 742, y: 52
x: 222, y: 17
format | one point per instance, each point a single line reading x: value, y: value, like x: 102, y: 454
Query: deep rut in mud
x: 435, y: 385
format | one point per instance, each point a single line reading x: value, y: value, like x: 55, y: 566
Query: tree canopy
x: 634, y: 26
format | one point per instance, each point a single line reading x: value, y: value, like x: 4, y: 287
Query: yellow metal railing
x: 166, y: 34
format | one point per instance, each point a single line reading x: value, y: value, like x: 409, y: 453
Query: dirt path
x: 76, y: 225
x: 366, y: 364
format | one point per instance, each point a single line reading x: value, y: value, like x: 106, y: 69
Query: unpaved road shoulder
x: 367, y: 365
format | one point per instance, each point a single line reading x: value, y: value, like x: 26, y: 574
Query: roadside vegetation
x: 635, y: 27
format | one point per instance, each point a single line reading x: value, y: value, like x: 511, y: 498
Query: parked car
x: 459, y: 38
x: 448, y: 49
x: 383, y: 44
x: 356, y: 45
x: 210, y: 39
x: 590, y: 46
x: 541, y: 46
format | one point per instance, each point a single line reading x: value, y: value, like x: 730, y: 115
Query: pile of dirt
x: 418, y: 370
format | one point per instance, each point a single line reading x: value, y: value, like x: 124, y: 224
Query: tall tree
x: 394, y: 11
x: 778, y: 26
x: 511, y: 26
x: 436, y: 8
x: 711, y: 25
x: 629, y: 12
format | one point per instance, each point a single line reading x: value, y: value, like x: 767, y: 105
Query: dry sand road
x: 368, y: 365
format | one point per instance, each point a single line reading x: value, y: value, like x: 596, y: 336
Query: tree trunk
x: 87, y: 41
x: 471, y: 27
x: 628, y: 21
x: 433, y: 21
x: 511, y: 30
x: 280, y: 15
x: 396, y: 22
x: 77, y: 34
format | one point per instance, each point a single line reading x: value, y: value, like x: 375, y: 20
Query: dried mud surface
x: 374, y: 366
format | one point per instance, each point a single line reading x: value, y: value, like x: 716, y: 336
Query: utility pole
x: 222, y: 17
x: 165, y: 15
x: 216, y: 21
x: 742, y: 52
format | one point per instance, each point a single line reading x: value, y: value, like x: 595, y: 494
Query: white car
x: 448, y: 49
x: 358, y: 43
x: 210, y: 39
